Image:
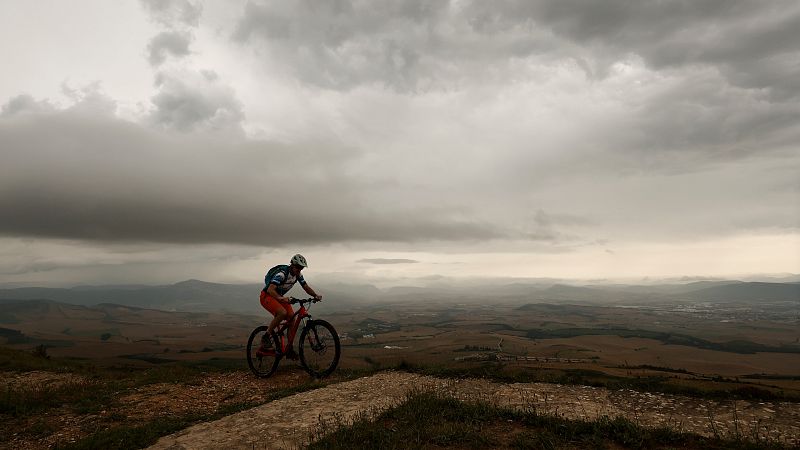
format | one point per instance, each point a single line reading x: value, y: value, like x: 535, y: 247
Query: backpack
x: 279, y: 268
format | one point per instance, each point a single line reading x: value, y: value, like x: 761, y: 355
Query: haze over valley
x: 741, y: 327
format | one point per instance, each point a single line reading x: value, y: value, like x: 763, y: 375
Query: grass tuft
x: 84, y: 396
x: 134, y: 437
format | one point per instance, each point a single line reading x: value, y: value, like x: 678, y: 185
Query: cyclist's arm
x: 273, y: 292
x: 311, y: 292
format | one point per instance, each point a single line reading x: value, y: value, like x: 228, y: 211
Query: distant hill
x: 562, y: 293
x: 702, y: 291
x: 754, y: 291
x: 187, y: 295
x: 190, y: 295
x: 36, y: 310
x: 669, y: 289
x: 202, y: 296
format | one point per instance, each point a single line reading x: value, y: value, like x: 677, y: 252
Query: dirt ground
x: 137, y: 406
x: 290, y: 421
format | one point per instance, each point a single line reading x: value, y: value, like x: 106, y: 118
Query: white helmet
x: 299, y: 260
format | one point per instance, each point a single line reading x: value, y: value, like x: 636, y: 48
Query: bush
x: 41, y: 351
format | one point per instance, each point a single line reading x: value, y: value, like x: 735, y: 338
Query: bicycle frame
x: 318, y: 336
x: 293, y: 324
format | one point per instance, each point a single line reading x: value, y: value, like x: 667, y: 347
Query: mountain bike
x: 319, y: 344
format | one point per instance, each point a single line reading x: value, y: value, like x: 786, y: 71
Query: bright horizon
x: 150, y: 142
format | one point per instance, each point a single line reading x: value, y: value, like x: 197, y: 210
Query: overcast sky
x: 397, y: 141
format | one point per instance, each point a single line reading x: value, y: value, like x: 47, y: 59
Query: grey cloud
x: 89, y: 99
x: 739, y: 37
x: 418, y: 45
x: 709, y: 122
x: 344, y: 44
x: 195, y: 101
x: 167, y: 43
x: 25, y: 104
x: 554, y: 228
x: 303, y: 21
x: 616, y: 20
x: 674, y: 124
x: 778, y: 73
x: 388, y: 261
x: 172, y: 12
x: 72, y: 175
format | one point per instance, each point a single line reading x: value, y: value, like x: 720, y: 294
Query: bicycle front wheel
x: 319, y: 348
x: 262, y: 359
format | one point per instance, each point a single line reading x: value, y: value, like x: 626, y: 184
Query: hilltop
x: 74, y: 406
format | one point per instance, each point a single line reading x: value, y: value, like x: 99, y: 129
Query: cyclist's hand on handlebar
x: 318, y: 298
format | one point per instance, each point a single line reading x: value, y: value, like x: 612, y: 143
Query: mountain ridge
x: 199, y: 295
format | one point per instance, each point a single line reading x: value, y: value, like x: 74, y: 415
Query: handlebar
x: 303, y: 300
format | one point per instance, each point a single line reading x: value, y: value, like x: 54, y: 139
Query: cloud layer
x: 101, y: 178
x: 388, y: 261
x: 520, y: 127
x: 417, y: 45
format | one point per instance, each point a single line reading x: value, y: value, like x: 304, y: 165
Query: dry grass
x: 436, y: 420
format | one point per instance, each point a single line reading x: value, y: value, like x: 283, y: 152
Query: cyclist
x: 278, y: 281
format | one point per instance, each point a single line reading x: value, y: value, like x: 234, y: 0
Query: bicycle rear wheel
x: 262, y: 362
x: 319, y: 348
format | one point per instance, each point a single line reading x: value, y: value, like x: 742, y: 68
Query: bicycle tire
x: 315, y: 344
x: 262, y: 365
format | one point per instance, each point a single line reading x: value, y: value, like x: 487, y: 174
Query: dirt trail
x: 288, y: 422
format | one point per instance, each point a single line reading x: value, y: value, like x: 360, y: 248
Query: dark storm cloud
x: 191, y: 101
x: 413, y: 45
x: 168, y: 43
x: 172, y: 12
x: 702, y: 120
x: 739, y: 37
x: 388, y: 261
x: 585, y: 96
x: 717, y: 80
x: 93, y: 177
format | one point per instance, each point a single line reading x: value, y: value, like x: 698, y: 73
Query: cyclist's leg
x: 263, y: 299
x: 276, y: 309
x: 279, y: 310
x: 286, y: 311
x: 266, y: 341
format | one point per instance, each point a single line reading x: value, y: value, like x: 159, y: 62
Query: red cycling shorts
x: 270, y: 304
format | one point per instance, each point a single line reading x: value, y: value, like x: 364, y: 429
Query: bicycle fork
x: 313, y: 339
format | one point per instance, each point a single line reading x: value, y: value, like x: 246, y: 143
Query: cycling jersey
x: 283, y: 280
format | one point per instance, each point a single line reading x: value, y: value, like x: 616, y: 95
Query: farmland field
x: 685, y: 345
